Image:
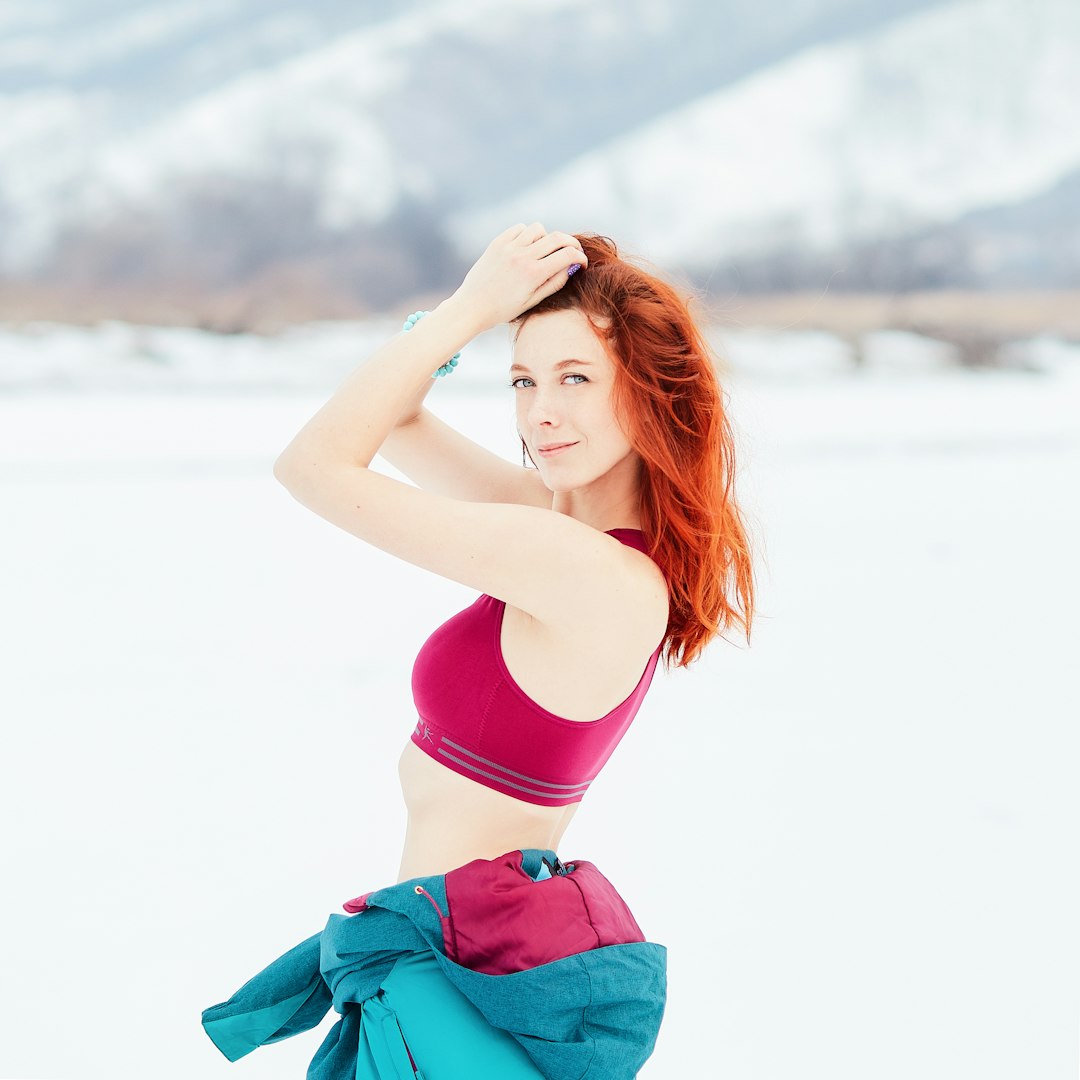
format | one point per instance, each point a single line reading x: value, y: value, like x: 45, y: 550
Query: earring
x: 523, y: 451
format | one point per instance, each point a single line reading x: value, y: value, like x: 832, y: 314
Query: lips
x: 555, y: 449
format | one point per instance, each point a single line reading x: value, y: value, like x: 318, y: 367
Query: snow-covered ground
x: 857, y: 837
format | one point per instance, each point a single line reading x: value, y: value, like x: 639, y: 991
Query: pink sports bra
x: 475, y: 720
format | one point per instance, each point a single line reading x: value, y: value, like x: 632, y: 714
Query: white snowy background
x: 857, y: 837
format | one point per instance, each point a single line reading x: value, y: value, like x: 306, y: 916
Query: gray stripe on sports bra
x: 507, y: 783
x: 520, y: 776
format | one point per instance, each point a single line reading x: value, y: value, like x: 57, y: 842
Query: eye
x: 571, y: 374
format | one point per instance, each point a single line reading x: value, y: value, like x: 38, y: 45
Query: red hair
x: 671, y: 405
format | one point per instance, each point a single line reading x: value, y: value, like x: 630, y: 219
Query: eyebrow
x: 558, y: 367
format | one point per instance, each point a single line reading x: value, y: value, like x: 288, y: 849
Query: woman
x: 491, y: 956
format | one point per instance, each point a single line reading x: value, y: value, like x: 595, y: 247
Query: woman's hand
x: 517, y: 270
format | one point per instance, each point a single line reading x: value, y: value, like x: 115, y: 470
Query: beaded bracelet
x: 450, y: 364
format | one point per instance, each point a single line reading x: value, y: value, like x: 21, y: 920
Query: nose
x: 543, y: 413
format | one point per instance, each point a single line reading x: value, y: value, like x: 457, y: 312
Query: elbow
x: 285, y: 470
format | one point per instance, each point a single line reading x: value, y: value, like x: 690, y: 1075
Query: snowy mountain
x: 894, y: 133
x: 203, y: 146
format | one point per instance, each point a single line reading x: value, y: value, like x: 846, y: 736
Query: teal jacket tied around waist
x: 578, y: 986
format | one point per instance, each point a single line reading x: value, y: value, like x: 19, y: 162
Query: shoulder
x: 640, y: 599
x: 643, y: 599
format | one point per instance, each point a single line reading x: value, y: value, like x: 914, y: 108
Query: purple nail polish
x: 573, y: 269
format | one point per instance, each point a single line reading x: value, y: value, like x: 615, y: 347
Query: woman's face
x: 562, y: 381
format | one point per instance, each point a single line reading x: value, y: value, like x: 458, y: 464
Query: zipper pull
x: 434, y: 902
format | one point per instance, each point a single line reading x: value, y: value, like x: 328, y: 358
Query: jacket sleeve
x: 285, y: 998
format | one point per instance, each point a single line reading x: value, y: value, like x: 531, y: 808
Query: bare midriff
x: 453, y: 820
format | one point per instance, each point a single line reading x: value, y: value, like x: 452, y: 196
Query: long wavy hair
x: 672, y: 407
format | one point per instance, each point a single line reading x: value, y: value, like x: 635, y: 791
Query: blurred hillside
x: 254, y: 164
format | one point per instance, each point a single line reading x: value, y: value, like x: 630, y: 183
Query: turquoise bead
x: 449, y: 366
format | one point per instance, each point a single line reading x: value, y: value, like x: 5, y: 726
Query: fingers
x: 554, y: 283
x: 552, y: 241
x: 552, y: 254
x: 517, y: 235
x: 512, y: 233
x: 525, y: 234
x: 556, y: 266
x: 543, y: 243
x: 557, y: 252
